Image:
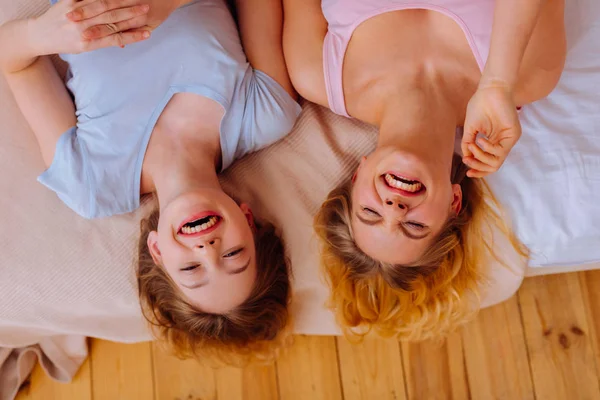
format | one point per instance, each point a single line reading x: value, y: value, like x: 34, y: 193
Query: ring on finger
x: 112, y: 27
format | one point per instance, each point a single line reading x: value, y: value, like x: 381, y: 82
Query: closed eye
x: 367, y: 210
x: 415, y: 225
x: 233, y: 253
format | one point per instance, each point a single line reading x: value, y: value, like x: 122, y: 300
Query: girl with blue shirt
x: 162, y: 109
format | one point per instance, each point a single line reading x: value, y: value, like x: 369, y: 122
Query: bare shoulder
x: 304, y: 31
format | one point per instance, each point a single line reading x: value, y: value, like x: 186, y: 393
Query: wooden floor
x: 543, y: 343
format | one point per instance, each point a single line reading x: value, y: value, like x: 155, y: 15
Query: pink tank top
x: 475, y: 17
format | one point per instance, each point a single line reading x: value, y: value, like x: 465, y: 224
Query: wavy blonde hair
x: 254, y: 331
x: 426, y: 299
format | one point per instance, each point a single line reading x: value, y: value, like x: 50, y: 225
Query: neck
x: 186, y: 164
x: 422, y: 119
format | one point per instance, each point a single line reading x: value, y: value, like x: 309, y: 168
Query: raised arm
x: 36, y: 86
x: 518, y: 33
x: 261, y: 30
x: 514, y: 22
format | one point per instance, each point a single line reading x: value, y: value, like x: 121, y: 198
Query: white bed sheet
x: 550, y: 183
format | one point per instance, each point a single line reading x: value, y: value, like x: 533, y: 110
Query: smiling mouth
x: 201, y: 225
x: 403, y: 184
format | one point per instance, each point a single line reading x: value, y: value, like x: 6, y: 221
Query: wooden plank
x: 250, y: 383
x: 496, y: 354
x: 188, y: 379
x: 41, y: 387
x: 181, y: 379
x: 309, y: 370
x: 371, y: 369
x: 121, y: 371
x: 557, y: 333
x: 590, y: 284
x: 436, y: 369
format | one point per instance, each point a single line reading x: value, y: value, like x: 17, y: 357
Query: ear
x: 456, y: 205
x: 249, y: 216
x: 362, y: 161
x: 153, y: 247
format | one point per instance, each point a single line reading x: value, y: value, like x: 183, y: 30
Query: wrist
x: 34, y: 40
x: 495, y: 81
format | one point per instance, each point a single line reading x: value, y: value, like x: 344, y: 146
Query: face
x: 399, y: 204
x: 205, y: 243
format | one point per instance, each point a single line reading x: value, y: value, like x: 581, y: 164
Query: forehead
x: 387, y: 245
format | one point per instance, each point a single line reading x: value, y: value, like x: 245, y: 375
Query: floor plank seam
x: 522, y: 319
x: 404, y: 380
x: 277, y: 380
x: 91, y: 358
x: 154, y: 391
x: 465, y: 367
x: 337, y: 357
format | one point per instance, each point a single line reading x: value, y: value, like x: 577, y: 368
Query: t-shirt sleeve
x: 269, y: 114
x: 68, y: 174
x: 90, y: 177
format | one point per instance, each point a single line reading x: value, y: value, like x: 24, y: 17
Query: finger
x: 513, y: 137
x: 489, y: 147
x: 116, y: 16
x: 478, y: 165
x: 476, y: 174
x: 468, y: 138
x: 100, y: 31
x: 118, y: 39
x: 484, y: 157
x: 94, y: 8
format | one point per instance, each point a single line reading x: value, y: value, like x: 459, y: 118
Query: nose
x: 208, y: 252
x: 207, y: 244
x: 395, y: 207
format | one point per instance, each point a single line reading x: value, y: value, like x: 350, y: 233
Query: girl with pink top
x: 405, y: 239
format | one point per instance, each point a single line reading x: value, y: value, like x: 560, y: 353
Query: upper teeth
x: 409, y: 187
x: 199, y: 228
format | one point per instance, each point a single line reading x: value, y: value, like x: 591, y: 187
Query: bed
x: 63, y: 279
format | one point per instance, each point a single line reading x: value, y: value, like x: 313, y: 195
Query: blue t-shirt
x: 120, y: 93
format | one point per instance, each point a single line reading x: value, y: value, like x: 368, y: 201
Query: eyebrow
x: 405, y: 231
x: 205, y: 282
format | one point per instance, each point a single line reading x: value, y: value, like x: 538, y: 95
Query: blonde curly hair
x: 426, y: 299
x: 254, y: 331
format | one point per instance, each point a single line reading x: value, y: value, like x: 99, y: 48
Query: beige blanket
x: 63, y: 278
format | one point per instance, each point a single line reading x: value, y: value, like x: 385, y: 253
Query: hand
x: 54, y: 33
x: 159, y: 12
x: 492, y: 113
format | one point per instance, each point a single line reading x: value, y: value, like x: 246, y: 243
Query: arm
x: 510, y: 36
x: 261, y: 30
x: 36, y: 86
x: 304, y: 31
x: 492, y: 110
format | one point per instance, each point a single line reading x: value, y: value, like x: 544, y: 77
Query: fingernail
x: 145, y: 7
x: 146, y: 34
x: 74, y: 15
x: 479, y: 141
